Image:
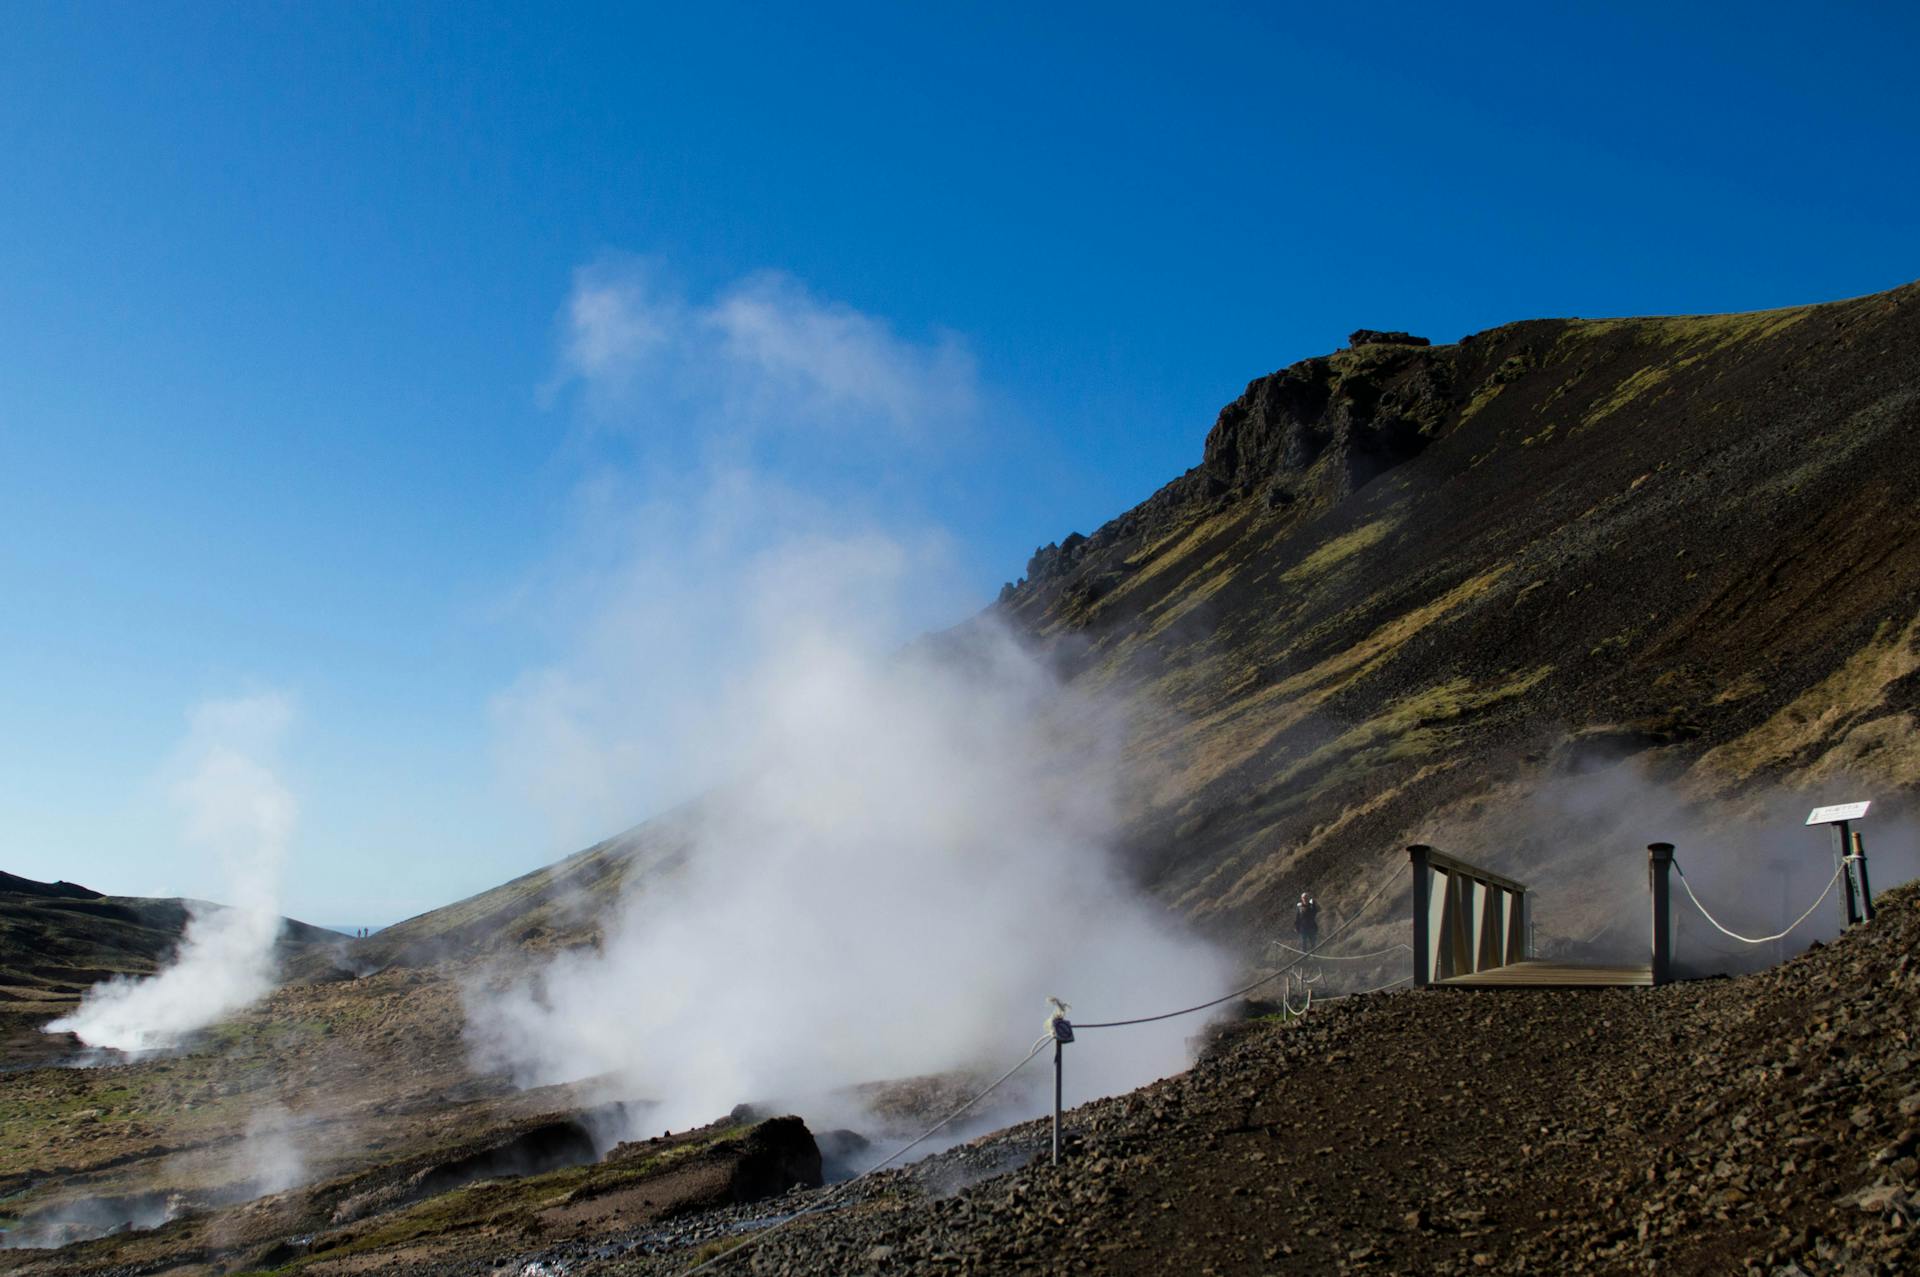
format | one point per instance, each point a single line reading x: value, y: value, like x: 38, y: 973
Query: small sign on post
x: 1849, y: 854
x: 1837, y: 814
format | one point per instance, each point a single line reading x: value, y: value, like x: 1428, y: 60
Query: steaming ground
x: 235, y: 809
x: 1341, y: 633
x: 1578, y: 841
x: 915, y: 856
x: 345, y: 1090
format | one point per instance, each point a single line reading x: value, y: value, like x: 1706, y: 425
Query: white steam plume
x: 762, y: 356
x: 1580, y: 841
x: 898, y: 857
x: 913, y: 858
x: 233, y: 806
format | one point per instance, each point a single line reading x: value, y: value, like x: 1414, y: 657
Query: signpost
x: 1849, y: 855
x: 1062, y: 1030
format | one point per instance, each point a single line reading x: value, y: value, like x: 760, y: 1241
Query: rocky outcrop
x: 1323, y: 428
x: 1373, y: 337
x: 1404, y: 576
x: 775, y: 1156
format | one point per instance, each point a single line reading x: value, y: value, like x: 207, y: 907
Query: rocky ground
x: 1767, y: 1124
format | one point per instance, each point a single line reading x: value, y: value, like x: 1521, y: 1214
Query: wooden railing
x: 1465, y: 918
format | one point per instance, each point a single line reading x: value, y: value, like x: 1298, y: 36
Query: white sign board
x: 1834, y: 815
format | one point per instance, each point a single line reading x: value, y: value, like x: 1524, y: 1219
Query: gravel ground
x: 1766, y: 1124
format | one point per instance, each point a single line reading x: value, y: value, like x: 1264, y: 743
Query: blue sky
x: 382, y: 358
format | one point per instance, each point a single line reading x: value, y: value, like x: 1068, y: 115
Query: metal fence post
x: 1062, y: 1030
x: 1842, y: 844
x: 1866, y: 890
x: 1056, y: 1101
x: 1659, y: 863
x: 1422, y: 911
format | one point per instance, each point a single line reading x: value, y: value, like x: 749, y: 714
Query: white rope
x: 1362, y: 992
x: 1335, y: 997
x: 1265, y: 979
x: 895, y: 1156
x: 1040, y: 1045
x: 1342, y: 957
x: 1286, y: 999
x: 1759, y: 939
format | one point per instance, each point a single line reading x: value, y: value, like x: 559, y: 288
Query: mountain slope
x: 59, y: 939
x: 1409, y: 588
x: 1403, y: 575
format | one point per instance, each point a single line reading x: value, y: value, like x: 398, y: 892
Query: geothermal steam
x: 233, y: 807
x: 897, y: 857
x: 912, y: 858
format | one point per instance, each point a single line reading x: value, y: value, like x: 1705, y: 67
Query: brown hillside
x: 1405, y: 575
x: 1410, y: 585
x: 58, y: 939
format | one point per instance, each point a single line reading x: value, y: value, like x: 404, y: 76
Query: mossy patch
x: 1413, y: 726
x: 1192, y: 598
x: 1642, y: 381
x: 1172, y: 551
x: 1821, y: 716
x: 1481, y: 398
x: 1251, y: 723
x: 1331, y: 554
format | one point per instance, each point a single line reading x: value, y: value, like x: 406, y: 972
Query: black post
x: 1659, y: 862
x: 1056, y: 1101
x: 1422, y: 912
x: 1842, y: 844
x: 1866, y: 890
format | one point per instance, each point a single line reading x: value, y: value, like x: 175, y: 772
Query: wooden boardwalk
x: 1532, y: 973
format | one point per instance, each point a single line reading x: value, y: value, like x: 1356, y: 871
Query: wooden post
x: 1866, y: 889
x: 1457, y: 925
x: 1422, y: 913
x: 1842, y: 844
x: 1659, y: 864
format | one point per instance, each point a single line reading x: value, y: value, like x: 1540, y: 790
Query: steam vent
x: 785, y: 641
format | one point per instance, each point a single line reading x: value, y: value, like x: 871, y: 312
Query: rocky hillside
x: 57, y: 939
x: 1407, y: 577
x: 1535, y: 597
x: 1410, y: 588
x: 1768, y: 1124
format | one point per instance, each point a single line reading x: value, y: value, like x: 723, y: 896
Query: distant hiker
x: 1306, y: 921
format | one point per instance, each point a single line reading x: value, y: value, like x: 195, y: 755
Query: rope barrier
x: 1285, y: 1000
x: 1048, y: 1038
x: 1265, y: 979
x: 1335, y: 997
x: 895, y: 1156
x: 1759, y: 939
x: 1341, y: 957
x: 1357, y: 993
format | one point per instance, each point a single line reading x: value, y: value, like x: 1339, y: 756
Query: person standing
x: 1306, y: 921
